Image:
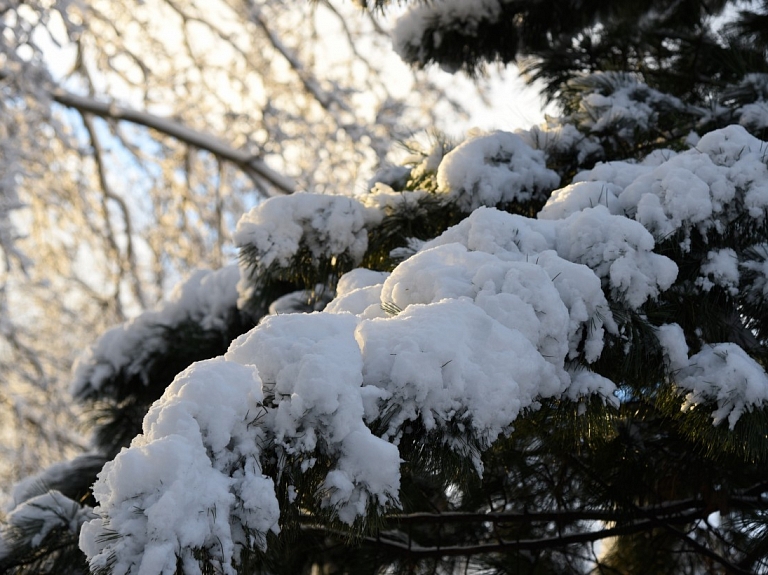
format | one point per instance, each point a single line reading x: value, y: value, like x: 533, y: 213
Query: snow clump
x: 620, y: 105
x: 492, y: 169
x: 311, y: 372
x: 700, y: 189
x: 721, y: 268
x: 477, y: 331
x: 326, y: 227
x: 42, y: 514
x: 477, y: 326
x: 721, y: 372
x: 207, y: 298
x: 724, y: 373
x: 191, y: 481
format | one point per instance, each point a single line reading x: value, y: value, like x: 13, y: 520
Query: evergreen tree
x: 525, y: 343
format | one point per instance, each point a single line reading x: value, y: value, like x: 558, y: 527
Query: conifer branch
x: 412, y: 549
x: 667, y: 509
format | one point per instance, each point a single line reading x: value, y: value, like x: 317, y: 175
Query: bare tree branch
x: 253, y: 167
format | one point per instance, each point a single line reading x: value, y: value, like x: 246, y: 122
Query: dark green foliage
x: 306, y: 272
x: 675, y: 47
x: 752, y: 25
x: 57, y: 553
x: 466, y: 48
x: 423, y: 219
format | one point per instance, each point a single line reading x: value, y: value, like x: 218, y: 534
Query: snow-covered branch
x: 252, y: 166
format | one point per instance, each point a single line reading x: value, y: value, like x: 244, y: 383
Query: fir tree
x: 526, y: 343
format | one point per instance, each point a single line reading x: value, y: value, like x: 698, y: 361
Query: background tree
x: 496, y: 399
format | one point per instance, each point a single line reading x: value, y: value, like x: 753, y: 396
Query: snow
x: 619, y: 250
x: 391, y: 176
x: 578, y: 196
x: 518, y: 294
x: 618, y: 104
x: 299, y: 301
x: 311, y: 368
x: 50, y: 478
x: 556, y: 139
x: 721, y: 268
x: 358, y: 279
x: 470, y: 331
x: 451, y: 362
x: 585, y: 383
x: 359, y: 292
x: 40, y: 515
x: 426, y: 160
x: 725, y: 373
x: 754, y: 116
x: 720, y: 372
x: 622, y: 173
x: 466, y: 334
x: 191, y: 481
x: 672, y: 340
x: 385, y: 199
x: 492, y: 169
x: 700, y: 189
x: 515, y: 238
x: 208, y: 298
x: 326, y: 226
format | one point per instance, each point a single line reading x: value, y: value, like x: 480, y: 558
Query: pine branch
x: 415, y: 550
x: 655, y: 521
x: 670, y: 508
